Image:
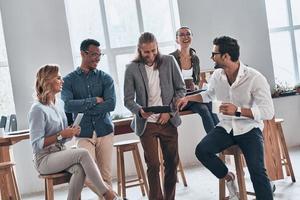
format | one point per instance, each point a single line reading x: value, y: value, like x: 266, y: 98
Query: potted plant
x: 297, y: 88
x: 282, y: 89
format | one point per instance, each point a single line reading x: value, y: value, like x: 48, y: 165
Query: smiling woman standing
x: 189, y: 64
x: 48, y: 133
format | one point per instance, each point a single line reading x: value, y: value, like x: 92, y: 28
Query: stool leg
x: 161, y: 161
x: 180, y: 170
x: 123, y: 182
x: 222, y: 192
x: 49, y: 189
x: 240, y: 176
x: 138, y: 166
x: 119, y: 178
x: 285, y: 151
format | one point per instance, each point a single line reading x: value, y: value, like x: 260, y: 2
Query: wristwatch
x: 59, y: 137
x: 238, y: 112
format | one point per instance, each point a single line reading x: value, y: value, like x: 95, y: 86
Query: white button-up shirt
x: 249, y: 90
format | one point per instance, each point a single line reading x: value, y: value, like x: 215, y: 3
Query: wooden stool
x: 285, y: 157
x: 122, y: 147
x: 52, y: 180
x: 179, y: 167
x: 6, y: 169
x: 237, y: 153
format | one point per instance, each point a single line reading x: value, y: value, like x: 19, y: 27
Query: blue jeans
x: 251, y: 144
x: 209, y: 119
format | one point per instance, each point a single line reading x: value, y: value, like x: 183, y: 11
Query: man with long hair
x: 153, y: 79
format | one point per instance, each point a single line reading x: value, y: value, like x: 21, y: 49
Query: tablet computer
x: 77, y: 119
x: 189, y: 92
x: 157, y: 109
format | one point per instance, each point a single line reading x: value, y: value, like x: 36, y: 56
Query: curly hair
x: 43, y: 87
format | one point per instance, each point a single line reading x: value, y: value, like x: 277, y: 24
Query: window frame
x: 291, y: 28
x: 113, y: 52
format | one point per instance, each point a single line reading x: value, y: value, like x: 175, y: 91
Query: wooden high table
x: 5, y: 144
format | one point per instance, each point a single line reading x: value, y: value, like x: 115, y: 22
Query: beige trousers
x: 101, y: 149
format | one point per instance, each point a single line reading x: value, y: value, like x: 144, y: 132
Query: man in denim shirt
x: 91, y: 91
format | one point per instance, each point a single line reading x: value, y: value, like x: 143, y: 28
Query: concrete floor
x: 202, y: 185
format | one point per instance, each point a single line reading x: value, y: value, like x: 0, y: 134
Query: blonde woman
x: 48, y: 133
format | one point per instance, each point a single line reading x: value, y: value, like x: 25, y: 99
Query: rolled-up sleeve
x: 37, y: 125
x: 263, y: 108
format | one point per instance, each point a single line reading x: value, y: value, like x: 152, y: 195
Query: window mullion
x: 293, y: 40
x: 140, y: 16
x: 111, y: 57
x: 171, y: 2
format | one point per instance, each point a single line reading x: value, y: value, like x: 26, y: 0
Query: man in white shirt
x: 246, y: 102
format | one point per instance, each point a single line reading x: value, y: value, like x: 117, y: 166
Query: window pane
x: 3, y: 56
x: 282, y: 57
x: 122, y: 22
x: 277, y: 13
x: 7, y: 105
x: 84, y: 20
x: 168, y: 49
x: 122, y: 61
x: 297, y: 37
x: 158, y: 19
x: 295, y: 11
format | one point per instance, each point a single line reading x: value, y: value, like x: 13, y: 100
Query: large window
x: 284, y: 27
x: 117, y: 25
x: 7, y: 105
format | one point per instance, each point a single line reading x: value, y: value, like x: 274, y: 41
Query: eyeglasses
x: 215, y: 53
x: 95, y: 55
x: 182, y: 34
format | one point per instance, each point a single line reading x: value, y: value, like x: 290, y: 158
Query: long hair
x: 145, y: 38
x: 43, y: 86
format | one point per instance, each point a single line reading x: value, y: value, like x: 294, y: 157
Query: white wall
x: 242, y: 19
x: 36, y: 33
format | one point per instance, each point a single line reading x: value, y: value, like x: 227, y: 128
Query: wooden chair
x: 11, y: 188
x: 122, y: 147
x: 54, y: 179
x: 179, y: 167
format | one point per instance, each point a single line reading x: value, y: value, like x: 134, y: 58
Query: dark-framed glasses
x: 94, y: 54
x: 215, y: 53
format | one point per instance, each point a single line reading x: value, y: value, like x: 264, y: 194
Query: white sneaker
x: 231, y: 186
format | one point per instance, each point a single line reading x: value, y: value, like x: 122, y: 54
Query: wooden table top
x: 14, y: 137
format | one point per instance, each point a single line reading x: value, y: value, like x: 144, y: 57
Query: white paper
x: 78, y: 119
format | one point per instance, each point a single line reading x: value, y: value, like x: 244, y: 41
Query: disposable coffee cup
x: 216, y: 106
x: 189, y: 83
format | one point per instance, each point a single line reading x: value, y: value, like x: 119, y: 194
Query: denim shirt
x: 79, y: 94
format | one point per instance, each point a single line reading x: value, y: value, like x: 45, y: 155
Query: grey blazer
x: 136, y: 90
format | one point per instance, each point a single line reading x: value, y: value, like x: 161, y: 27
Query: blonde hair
x: 43, y: 87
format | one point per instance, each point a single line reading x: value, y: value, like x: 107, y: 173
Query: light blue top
x: 45, y: 120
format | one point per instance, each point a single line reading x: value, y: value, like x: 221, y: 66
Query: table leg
x: 5, y: 157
